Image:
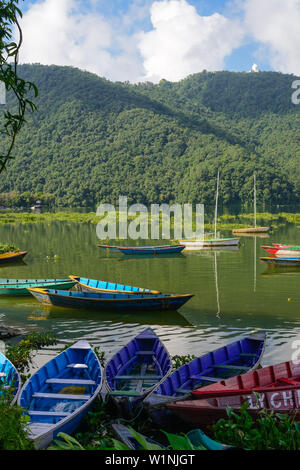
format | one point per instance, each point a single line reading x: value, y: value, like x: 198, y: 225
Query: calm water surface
x: 235, y: 294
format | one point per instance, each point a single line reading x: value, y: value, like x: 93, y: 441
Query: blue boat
x: 235, y: 358
x: 92, y: 285
x: 103, y: 301
x: 10, y: 381
x: 137, y: 368
x: 145, y: 250
x: 58, y: 395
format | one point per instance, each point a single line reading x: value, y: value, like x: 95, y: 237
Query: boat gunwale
x: 147, y: 392
x: 72, y: 415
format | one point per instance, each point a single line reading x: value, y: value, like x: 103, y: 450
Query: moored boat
x: 283, y: 262
x: 273, y: 388
x: 12, y: 256
x: 144, y: 250
x: 282, y: 251
x: 58, y: 395
x: 10, y: 380
x: 110, y: 301
x: 93, y: 285
x: 137, y: 368
x: 251, y: 230
x: 230, y: 360
x: 194, y: 244
x: 16, y: 287
x: 151, y: 250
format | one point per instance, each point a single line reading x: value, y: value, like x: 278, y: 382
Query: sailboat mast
x: 216, y: 208
x: 254, y: 177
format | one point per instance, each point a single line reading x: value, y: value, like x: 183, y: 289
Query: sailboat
x: 253, y: 229
x: 208, y: 242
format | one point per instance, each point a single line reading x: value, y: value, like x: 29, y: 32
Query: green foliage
x: 20, y: 89
x: 93, y: 140
x: 176, y: 442
x: 8, y: 248
x: 13, y: 426
x: 270, y: 431
x: 178, y: 361
x: 21, y: 354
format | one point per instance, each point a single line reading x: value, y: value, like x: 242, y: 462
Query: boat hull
x: 282, y: 252
x: 19, y: 287
x: 144, y: 250
x: 217, y: 242
x: 60, y: 393
x: 239, y: 356
x: 9, y: 377
x: 102, y: 301
x: 12, y: 256
x: 136, y: 369
x: 251, y: 230
x: 273, y: 388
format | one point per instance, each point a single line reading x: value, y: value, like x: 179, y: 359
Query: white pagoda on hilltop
x: 255, y: 68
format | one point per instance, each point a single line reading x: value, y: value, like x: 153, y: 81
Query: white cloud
x: 183, y: 42
x: 57, y: 32
x: 275, y: 24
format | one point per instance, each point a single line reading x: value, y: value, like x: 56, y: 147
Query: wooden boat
x: 137, y: 368
x: 253, y: 229
x: 282, y: 252
x: 284, y: 262
x: 197, y: 437
x: 10, y: 379
x: 12, y: 256
x: 15, y: 287
x: 145, y: 250
x: 194, y: 244
x: 58, y: 395
x: 103, y: 301
x: 273, y: 388
x: 230, y: 360
x: 151, y: 250
x: 92, y: 285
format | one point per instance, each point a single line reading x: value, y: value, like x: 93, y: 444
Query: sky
x: 150, y: 40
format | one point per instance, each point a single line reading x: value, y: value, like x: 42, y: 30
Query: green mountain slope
x: 93, y: 140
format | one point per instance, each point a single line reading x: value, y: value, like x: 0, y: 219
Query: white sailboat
x: 253, y: 229
x: 209, y: 241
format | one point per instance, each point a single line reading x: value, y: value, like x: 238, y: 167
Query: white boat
x: 213, y: 241
x: 253, y: 229
x: 208, y: 243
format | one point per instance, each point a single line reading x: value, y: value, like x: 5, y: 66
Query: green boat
x: 16, y: 287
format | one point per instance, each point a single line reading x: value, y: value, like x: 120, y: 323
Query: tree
x: 9, y: 53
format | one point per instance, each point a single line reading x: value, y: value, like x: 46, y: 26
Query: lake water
x: 234, y: 293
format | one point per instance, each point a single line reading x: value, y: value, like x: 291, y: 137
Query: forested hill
x: 93, y: 140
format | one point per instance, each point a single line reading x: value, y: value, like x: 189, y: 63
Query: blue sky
x: 140, y: 40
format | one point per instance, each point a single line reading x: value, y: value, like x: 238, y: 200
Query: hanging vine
x: 19, y: 88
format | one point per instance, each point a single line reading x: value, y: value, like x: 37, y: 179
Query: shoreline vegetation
x: 225, y: 222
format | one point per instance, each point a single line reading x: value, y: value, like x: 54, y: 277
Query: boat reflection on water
x: 77, y: 315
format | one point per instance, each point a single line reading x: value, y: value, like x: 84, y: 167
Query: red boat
x: 283, y: 251
x: 275, y: 388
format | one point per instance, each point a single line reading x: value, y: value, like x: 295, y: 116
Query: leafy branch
x: 9, y: 54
